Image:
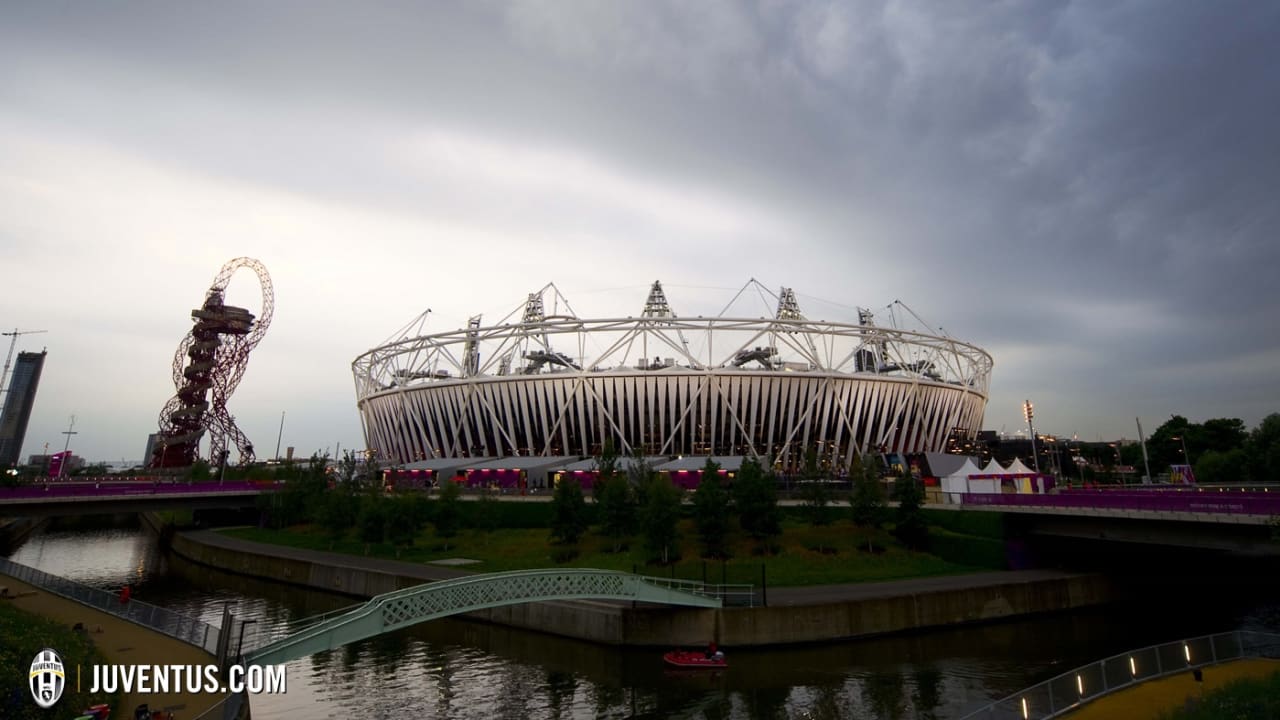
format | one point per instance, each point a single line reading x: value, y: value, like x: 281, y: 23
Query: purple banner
x: 107, y: 489
x: 1252, y: 502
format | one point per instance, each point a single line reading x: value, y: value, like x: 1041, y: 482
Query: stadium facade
x: 545, y: 381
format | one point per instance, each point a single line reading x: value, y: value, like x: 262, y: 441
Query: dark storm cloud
x: 1087, y: 189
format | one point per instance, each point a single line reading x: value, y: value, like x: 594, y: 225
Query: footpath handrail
x: 1072, y: 689
x: 163, y: 620
x: 1256, y: 503
x: 231, y: 707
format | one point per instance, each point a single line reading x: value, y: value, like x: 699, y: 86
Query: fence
x: 116, y: 487
x: 175, y: 625
x: 1070, y: 690
x: 700, y: 577
x: 1246, y: 503
x: 162, y: 620
x: 233, y: 707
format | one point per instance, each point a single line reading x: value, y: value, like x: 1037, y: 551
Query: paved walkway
x: 780, y: 596
x: 1149, y: 699
x: 120, y: 642
x: 821, y: 594
x: 397, y: 567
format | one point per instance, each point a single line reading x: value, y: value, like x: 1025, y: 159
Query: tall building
x: 18, y: 402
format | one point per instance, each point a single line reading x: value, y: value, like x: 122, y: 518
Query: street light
x: 1185, y: 457
x: 62, y: 467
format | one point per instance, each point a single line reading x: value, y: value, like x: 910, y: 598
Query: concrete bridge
x: 1237, y: 521
x: 114, y: 495
x: 410, y: 606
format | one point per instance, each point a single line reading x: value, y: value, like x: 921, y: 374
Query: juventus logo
x: 47, y: 678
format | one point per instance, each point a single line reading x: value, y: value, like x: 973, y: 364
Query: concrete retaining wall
x: 14, y: 530
x: 620, y: 624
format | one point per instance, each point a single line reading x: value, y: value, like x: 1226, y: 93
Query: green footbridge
x: 431, y: 601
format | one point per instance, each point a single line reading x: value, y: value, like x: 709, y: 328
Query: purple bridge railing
x: 129, y: 488
x: 1199, y: 500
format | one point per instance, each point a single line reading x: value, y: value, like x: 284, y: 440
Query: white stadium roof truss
x: 756, y: 386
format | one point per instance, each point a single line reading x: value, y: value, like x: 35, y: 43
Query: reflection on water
x: 460, y: 669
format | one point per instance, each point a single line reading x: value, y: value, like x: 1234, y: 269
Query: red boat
x: 695, y: 659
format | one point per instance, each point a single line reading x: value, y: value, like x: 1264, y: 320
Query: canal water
x: 463, y: 669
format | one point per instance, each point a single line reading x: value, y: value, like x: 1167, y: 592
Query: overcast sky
x: 1090, y: 191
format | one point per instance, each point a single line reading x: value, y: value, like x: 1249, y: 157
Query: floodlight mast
x: 1028, y: 411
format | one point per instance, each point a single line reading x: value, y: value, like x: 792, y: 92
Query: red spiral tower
x: 207, y: 367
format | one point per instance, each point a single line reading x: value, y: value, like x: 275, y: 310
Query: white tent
x: 993, y: 468
x: 957, y: 483
x: 1026, y: 479
x: 1017, y: 468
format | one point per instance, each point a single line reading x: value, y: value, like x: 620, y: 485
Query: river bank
x: 120, y: 642
x: 793, y: 616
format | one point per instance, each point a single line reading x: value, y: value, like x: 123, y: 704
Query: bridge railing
x: 233, y: 707
x: 730, y: 595
x: 175, y: 625
x: 45, y: 491
x: 1151, y: 501
x: 1068, y: 691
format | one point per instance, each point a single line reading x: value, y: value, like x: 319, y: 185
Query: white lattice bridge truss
x: 410, y: 606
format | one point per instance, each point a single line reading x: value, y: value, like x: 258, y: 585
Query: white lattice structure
x: 552, y: 383
x: 431, y: 601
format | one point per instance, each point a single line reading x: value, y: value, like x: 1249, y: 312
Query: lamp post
x: 279, y: 435
x: 62, y: 466
x: 1185, y: 457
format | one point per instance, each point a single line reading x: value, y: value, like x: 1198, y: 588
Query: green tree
x: 403, y: 522
x: 755, y: 493
x: 448, y: 511
x: 711, y: 511
x: 338, y: 512
x: 615, y: 496
x: 815, y: 491
x: 659, y: 519
x: 909, y: 524
x: 487, y: 514
x: 640, y: 474
x: 301, y: 496
x: 199, y: 471
x: 1220, y: 434
x: 371, y: 523
x: 1263, y: 449
x: 568, y: 512
x: 1222, y: 467
x: 618, y: 511
x: 866, y: 502
x: 346, y: 470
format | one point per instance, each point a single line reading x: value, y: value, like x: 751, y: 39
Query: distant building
x: 51, y: 464
x: 64, y: 463
x: 152, y: 439
x: 18, y: 402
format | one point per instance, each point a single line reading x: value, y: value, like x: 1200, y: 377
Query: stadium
x: 545, y: 381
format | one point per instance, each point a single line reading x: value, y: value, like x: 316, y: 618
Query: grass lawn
x: 805, y: 555
x: 1243, y: 699
x: 22, y: 635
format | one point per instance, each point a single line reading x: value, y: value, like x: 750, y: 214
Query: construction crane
x: 9, y: 359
